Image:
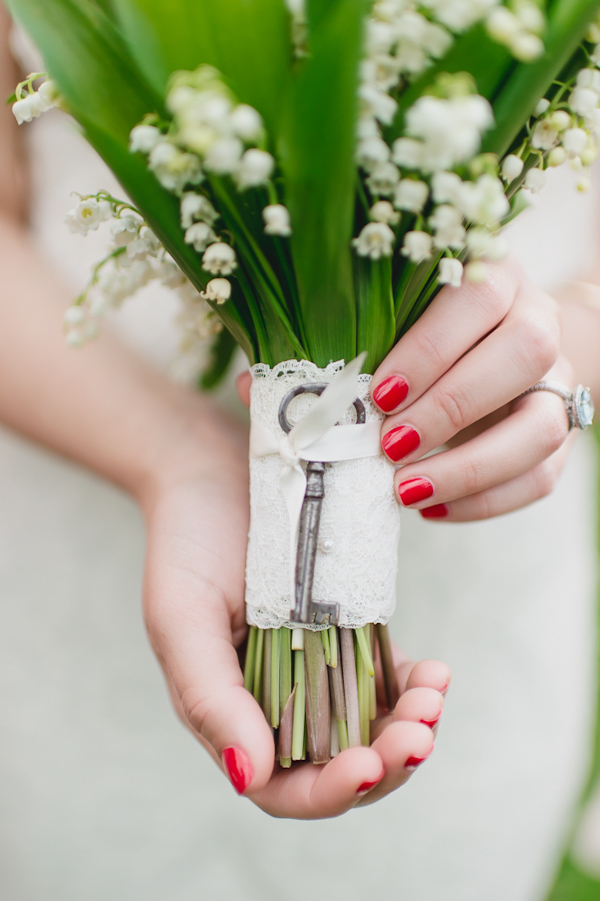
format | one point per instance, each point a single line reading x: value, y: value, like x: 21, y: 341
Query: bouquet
x: 307, y: 176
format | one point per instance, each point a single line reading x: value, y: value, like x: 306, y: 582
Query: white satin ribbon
x: 316, y: 437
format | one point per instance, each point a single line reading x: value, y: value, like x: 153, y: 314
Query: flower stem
x: 299, y: 707
x: 365, y: 653
x: 285, y: 671
x: 250, y: 658
x: 275, y: 683
x: 258, y: 668
x: 390, y: 679
x: 350, y: 687
x: 333, y: 647
x: 266, y: 686
x: 326, y: 648
x: 318, y: 704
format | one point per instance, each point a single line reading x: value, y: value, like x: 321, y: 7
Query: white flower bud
x: 218, y: 290
x: 200, y: 235
x: 407, y: 153
x: 584, y: 183
x: 277, y: 220
x: 417, y: 246
x: 542, y: 107
x: 143, y: 138
x: 476, y: 272
x: 559, y: 120
x: 502, y: 25
x: 530, y: 16
x: 512, y: 166
x: 246, y: 122
x: 583, y: 101
x: 527, y: 47
x: 535, y: 180
x: 74, y: 315
x: 590, y: 154
x: 375, y: 240
x: 223, y: 156
x: 449, y: 230
x: 219, y: 259
x: 589, y: 78
x: 371, y: 152
x: 254, y: 169
x: 196, y: 207
x: 450, y: 272
x: 446, y: 187
x: 383, y: 211
x: 575, y: 140
x: 30, y: 107
x: 124, y: 230
x: 556, y: 157
x: 411, y: 195
x: 383, y: 179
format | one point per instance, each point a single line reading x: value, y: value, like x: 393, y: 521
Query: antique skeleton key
x: 305, y: 609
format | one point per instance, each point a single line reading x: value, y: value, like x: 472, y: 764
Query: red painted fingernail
x: 438, y: 511
x: 390, y: 393
x: 399, y: 442
x: 367, y: 786
x: 238, y: 768
x: 431, y: 723
x: 414, y: 490
x: 445, y: 688
x: 414, y: 762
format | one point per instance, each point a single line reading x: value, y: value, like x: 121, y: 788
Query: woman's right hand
x: 197, y: 515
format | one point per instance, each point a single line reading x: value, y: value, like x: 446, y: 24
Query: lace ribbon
x: 316, y: 437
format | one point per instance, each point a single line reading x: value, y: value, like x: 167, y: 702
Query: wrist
x: 192, y: 438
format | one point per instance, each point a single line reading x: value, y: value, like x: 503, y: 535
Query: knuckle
x: 539, y: 342
x: 454, y: 406
x: 545, y: 479
x: 196, y: 710
x: 554, y: 430
x: 497, y: 293
x: 471, y: 477
x: 431, y: 346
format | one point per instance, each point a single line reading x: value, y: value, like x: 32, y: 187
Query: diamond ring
x: 578, y: 403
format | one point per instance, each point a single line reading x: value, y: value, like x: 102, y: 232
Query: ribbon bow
x: 316, y: 437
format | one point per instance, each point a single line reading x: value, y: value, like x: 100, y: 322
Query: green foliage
x: 316, y: 149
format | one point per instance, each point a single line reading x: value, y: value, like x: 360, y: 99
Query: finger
x: 534, y: 431
x: 514, y: 356
x: 399, y: 763
x: 425, y: 674
x: 309, y: 792
x: 194, y: 642
x: 417, y: 705
x: 456, y: 320
x: 242, y: 384
x: 533, y: 485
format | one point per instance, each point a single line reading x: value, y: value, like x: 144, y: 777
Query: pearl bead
x: 326, y: 545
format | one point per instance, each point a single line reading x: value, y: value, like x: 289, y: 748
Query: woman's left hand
x: 455, y: 379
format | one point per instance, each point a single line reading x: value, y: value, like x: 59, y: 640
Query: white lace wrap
x: 356, y: 563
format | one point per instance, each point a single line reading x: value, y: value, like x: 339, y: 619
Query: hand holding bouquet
x: 313, y: 199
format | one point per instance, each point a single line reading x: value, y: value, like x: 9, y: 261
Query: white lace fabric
x: 356, y: 564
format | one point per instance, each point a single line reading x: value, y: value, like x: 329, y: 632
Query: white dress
x: 105, y: 795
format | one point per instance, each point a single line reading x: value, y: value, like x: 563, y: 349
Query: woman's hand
x: 197, y: 513
x: 455, y: 378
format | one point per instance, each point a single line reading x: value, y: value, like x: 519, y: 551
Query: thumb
x: 242, y: 383
x: 203, y: 670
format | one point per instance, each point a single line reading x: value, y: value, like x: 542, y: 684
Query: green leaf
x: 317, y: 156
x: 375, y: 309
x: 247, y: 40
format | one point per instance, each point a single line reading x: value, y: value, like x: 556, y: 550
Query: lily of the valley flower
x: 196, y: 207
x: 450, y: 272
x: 417, y: 246
x: 219, y: 259
x: 200, y: 235
x: 375, y: 240
x: 254, y: 168
x: 383, y: 211
x: 277, y: 220
x: 218, y: 290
